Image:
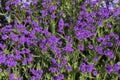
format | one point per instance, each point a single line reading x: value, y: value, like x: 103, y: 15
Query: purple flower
x: 29, y: 12
x: 27, y: 50
x: 0, y: 69
x: 83, y: 34
x: 68, y: 39
x: 95, y: 73
x: 99, y: 50
x: 38, y: 29
x: 109, y: 53
x: 53, y: 60
x: 90, y: 20
x: 2, y: 46
x: 109, y: 25
x: 61, y: 25
x: 4, y: 37
x: 58, y: 54
x: 13, y: 37
x: 76, y: 28
x: 24, y: 61
x: 99, y: 23
x: 2, y: 58
x: 104, y: 43
x: 53, y: 69
x: 52, y: 8
x: 95, y: 59
x: 46, y: 32
x: 60, y: 13
x: 22, y: 39
x: 83, y: 67
x: 68, y: 48
x: 35, y: 24
x: 63, y: 62
x: 54, y: 78
x: 57, y: 2
x: 90, y: 46
x: 106, y: 37
x: 1, y: 52
x: 73, y: 3
x: 116, y: 12
x: 52, y: 16
x: 116, y: 69
x: 99, y: 39
x: 10, y: 61
x: 108, y: 68
x: 7, y: 8
x: 68, y: 68
x: 89, y: 68
x: 58, y: 65
x: 81, y: 47
x: 30, y: 59
x: 116, y: 36
x: 92, y: 14
x: 11, y: 77
x: 43, y: 47
x: 85, y: 60
x: 52, y: 40
x: 60, y: 43
x: 111, y: 34
x: 60, y: 76
x: 33, y: 78
x: 44, y: 13
x: 79, y: 17
x: 37, y: 74
x: 118, y: 43
x: 109, y: 44
x: 17, y: 57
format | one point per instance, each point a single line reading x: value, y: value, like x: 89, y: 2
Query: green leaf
x: 9, y: 18
x: 2, y: 14
x: 6, y: 51
x: 53, y: 26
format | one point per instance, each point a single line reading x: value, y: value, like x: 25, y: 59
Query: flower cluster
x: 59, y: 40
